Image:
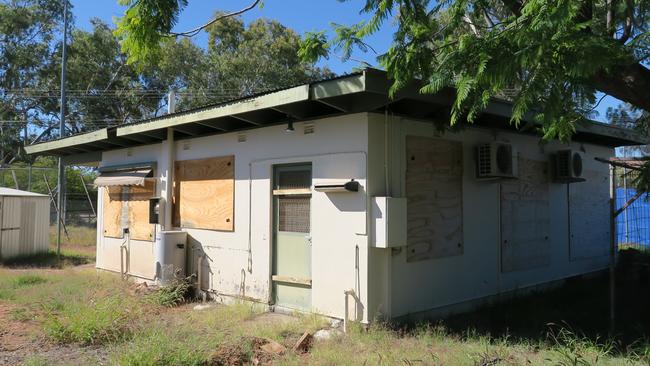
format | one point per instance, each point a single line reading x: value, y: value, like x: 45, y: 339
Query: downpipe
x: 124, y: 255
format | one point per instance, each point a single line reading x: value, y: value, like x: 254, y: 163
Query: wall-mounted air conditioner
x: 496, y: 160
x: 567, y: 166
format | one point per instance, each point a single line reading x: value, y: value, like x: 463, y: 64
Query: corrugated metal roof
x: 18, y: 193
x: 365, y: 91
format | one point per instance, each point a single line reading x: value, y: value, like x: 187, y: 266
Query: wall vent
x: 241, y: 137
x: 309, y: 129
x: 187, y: 145
x: 496, y: 160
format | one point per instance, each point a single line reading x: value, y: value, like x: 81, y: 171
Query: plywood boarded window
x: 589, y: 215
x: 112, y: 214
x: 138, y: 208
x: 525, y: 218
x: 434, y: 191
x: 128, y: 207
x: 204, y: 193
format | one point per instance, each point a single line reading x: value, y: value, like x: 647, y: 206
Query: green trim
x: 70, y: 141
x: 282, y: 97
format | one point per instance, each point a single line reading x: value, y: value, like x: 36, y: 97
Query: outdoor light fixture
x: 289, y: 128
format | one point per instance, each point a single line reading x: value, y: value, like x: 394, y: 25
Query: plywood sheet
x: 589, y: 215
x: 525, y: 218
x: 138, y: 201
x: 434, y: 190
x: 112, y: 213
x: 204, y: 193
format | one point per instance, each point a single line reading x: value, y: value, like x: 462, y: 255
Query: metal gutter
x: 89, y: 137
x: 287, y: 96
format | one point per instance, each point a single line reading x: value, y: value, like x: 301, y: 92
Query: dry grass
x: 86, y: 308
x: 78, y: 236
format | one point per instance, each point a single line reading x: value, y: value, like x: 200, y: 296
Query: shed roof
x: 365, y: 91
x: 18, y: 193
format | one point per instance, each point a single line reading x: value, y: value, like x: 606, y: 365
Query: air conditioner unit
x: 567, y: 166
x: 496, y: 160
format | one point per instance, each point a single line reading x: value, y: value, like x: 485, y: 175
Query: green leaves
x: 144, y: 25
x: 541, y: 55
x: 313, y: 46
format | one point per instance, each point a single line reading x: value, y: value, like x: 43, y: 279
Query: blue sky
x: 300, y: 15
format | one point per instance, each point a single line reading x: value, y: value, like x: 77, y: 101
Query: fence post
x: 612, y: 248
x: 90, y: 202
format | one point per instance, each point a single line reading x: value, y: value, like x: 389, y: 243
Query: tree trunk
x: 629, y: 83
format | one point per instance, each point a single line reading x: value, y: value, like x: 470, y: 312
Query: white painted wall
x: 419, y: 286
x: 363, y: 147
x: 238, y: 262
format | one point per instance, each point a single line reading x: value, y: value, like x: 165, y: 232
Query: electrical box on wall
x: 154, y: 210
x: 389, y: 222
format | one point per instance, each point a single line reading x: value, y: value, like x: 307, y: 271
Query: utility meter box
x: 154, y: 210
x: 389, y: 222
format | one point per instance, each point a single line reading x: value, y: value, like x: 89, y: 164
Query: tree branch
x: 610, y: 18
x: 195, y: 31
x: 629, y: 83
x: 629, y: 20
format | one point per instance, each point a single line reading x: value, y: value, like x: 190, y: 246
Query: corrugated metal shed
x: 24, y: 223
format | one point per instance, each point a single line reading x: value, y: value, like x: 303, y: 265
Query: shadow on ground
x: 580, y: 306
x: 47, y: 259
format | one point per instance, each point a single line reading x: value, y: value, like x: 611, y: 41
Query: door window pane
x: 293, y: 213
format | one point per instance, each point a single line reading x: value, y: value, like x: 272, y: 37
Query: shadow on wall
x: 348, y: 201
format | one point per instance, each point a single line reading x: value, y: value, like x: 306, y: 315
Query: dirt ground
x: 23, y: 340
x: 20, y: 340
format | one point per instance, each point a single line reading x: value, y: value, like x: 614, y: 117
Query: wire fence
x: 633, y: 223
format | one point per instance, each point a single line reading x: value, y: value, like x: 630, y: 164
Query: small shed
x: 24, y: 223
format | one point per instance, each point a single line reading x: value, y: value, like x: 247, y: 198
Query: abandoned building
x: 333, y: 196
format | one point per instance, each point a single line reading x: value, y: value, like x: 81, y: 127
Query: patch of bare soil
x: 21, y: 339
x: 246, y: 351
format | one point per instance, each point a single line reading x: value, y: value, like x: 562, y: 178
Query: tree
x: 27, y: 29
x: 551, y: 56
x: 240, y: 60
x: 104, y: 90
x: 146, y: 23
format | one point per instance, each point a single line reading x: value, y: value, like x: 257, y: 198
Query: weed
x: 104, y: 320
x: 27, y: 280
x: 35, y: 361
x: 173, y: 294
x: 7, y: 294
x: 20, y: 314
x: 156, y: 347
x: 577, y: 350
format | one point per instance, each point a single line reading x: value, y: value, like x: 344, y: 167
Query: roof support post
x: 167, y: 188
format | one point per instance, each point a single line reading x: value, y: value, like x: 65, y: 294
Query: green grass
x: 28, y: 280
x: 83, y: 308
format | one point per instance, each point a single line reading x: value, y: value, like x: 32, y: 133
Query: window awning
x: 123, y: 178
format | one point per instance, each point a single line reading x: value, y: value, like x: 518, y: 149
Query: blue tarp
x: 633, y: 225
